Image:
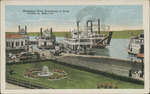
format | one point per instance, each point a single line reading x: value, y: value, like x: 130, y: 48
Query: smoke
x: 92, y: 13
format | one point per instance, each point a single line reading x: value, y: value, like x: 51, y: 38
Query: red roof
x: 14, y: 36
x: 140, y: 55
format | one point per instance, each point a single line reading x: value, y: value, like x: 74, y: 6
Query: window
x: 7, y: 44
x: 16, y: 43
x: 21, y: 43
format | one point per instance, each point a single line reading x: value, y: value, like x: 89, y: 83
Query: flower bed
x: 107, y: 86
x: 60, y: 75
x: 58, y: 71
x: 32, y: 74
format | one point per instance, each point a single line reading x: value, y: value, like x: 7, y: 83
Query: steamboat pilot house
x: 46, y: 40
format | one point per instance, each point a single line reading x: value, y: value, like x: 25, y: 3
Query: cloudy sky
x: 119, y: 17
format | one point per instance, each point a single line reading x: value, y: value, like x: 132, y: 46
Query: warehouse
x: 15, y: 42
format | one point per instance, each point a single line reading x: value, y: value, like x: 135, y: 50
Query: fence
x: 26, y: 84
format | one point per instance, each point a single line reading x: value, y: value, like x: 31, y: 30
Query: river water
x: 116, y: 49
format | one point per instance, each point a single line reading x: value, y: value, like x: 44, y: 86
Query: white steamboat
x: 85, y: 38
x: 46, y: 40
x: 136, y: 44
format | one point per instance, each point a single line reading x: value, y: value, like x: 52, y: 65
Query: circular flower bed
x: 32, y: 74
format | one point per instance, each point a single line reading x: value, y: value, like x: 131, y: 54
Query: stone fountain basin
x: 45, y: 74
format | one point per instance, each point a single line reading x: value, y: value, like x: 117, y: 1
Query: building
x: 46, y: 40
x: 15, y: 42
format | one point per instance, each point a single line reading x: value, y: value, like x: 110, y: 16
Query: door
x: 12, y: 44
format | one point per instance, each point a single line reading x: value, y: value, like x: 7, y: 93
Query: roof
x: 141, y: 55
x: 14, y: 36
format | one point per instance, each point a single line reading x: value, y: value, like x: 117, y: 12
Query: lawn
x: 79, y: 79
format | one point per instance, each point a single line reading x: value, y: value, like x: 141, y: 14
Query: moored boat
x: 136, y: 44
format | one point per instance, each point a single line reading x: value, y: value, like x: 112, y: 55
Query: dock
x: 103, y: 63
x: 33, y: 42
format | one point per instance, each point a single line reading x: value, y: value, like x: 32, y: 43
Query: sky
x: 64, y: 17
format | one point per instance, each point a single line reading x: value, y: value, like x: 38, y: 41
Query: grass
x: 125, y: 34
x: 80, y: 79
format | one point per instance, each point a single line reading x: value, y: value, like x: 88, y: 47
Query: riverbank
x: 125, y: 34
x: 76, y: 78
x: 102, y: 63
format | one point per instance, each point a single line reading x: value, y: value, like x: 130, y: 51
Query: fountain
x: 45, y: 72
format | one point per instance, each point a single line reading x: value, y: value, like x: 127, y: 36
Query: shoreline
x: 123, y: 34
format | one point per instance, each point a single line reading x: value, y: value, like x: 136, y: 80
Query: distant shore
x: 124, y: 34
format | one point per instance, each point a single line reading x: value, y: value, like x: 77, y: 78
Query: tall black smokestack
x: 78, y: 27
x: 91, y: 26
x: 87, y: 24
x: 51, y: 31
x: 87, y: 27
x: 41, y: 32
x: 99, y: 26
x: 19, y: 28
x: 25, y: 30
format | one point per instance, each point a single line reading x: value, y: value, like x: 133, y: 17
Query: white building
x: 15, y: 42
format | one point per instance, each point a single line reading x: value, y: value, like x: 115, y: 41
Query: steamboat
x: 46, y: 40
x: 136, y: 45
x: 84, y: 38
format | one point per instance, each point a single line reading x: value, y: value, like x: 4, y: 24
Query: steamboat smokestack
x: 25, y: 30
x: 87, y: 27
x: 78, y: 28
x: 87, y: 24
x: 51, y: 31
x: 41, y: 32
x: 78, y: 25
x: 19, y: 28
x: 99, y: 26
x: 91, y: 26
